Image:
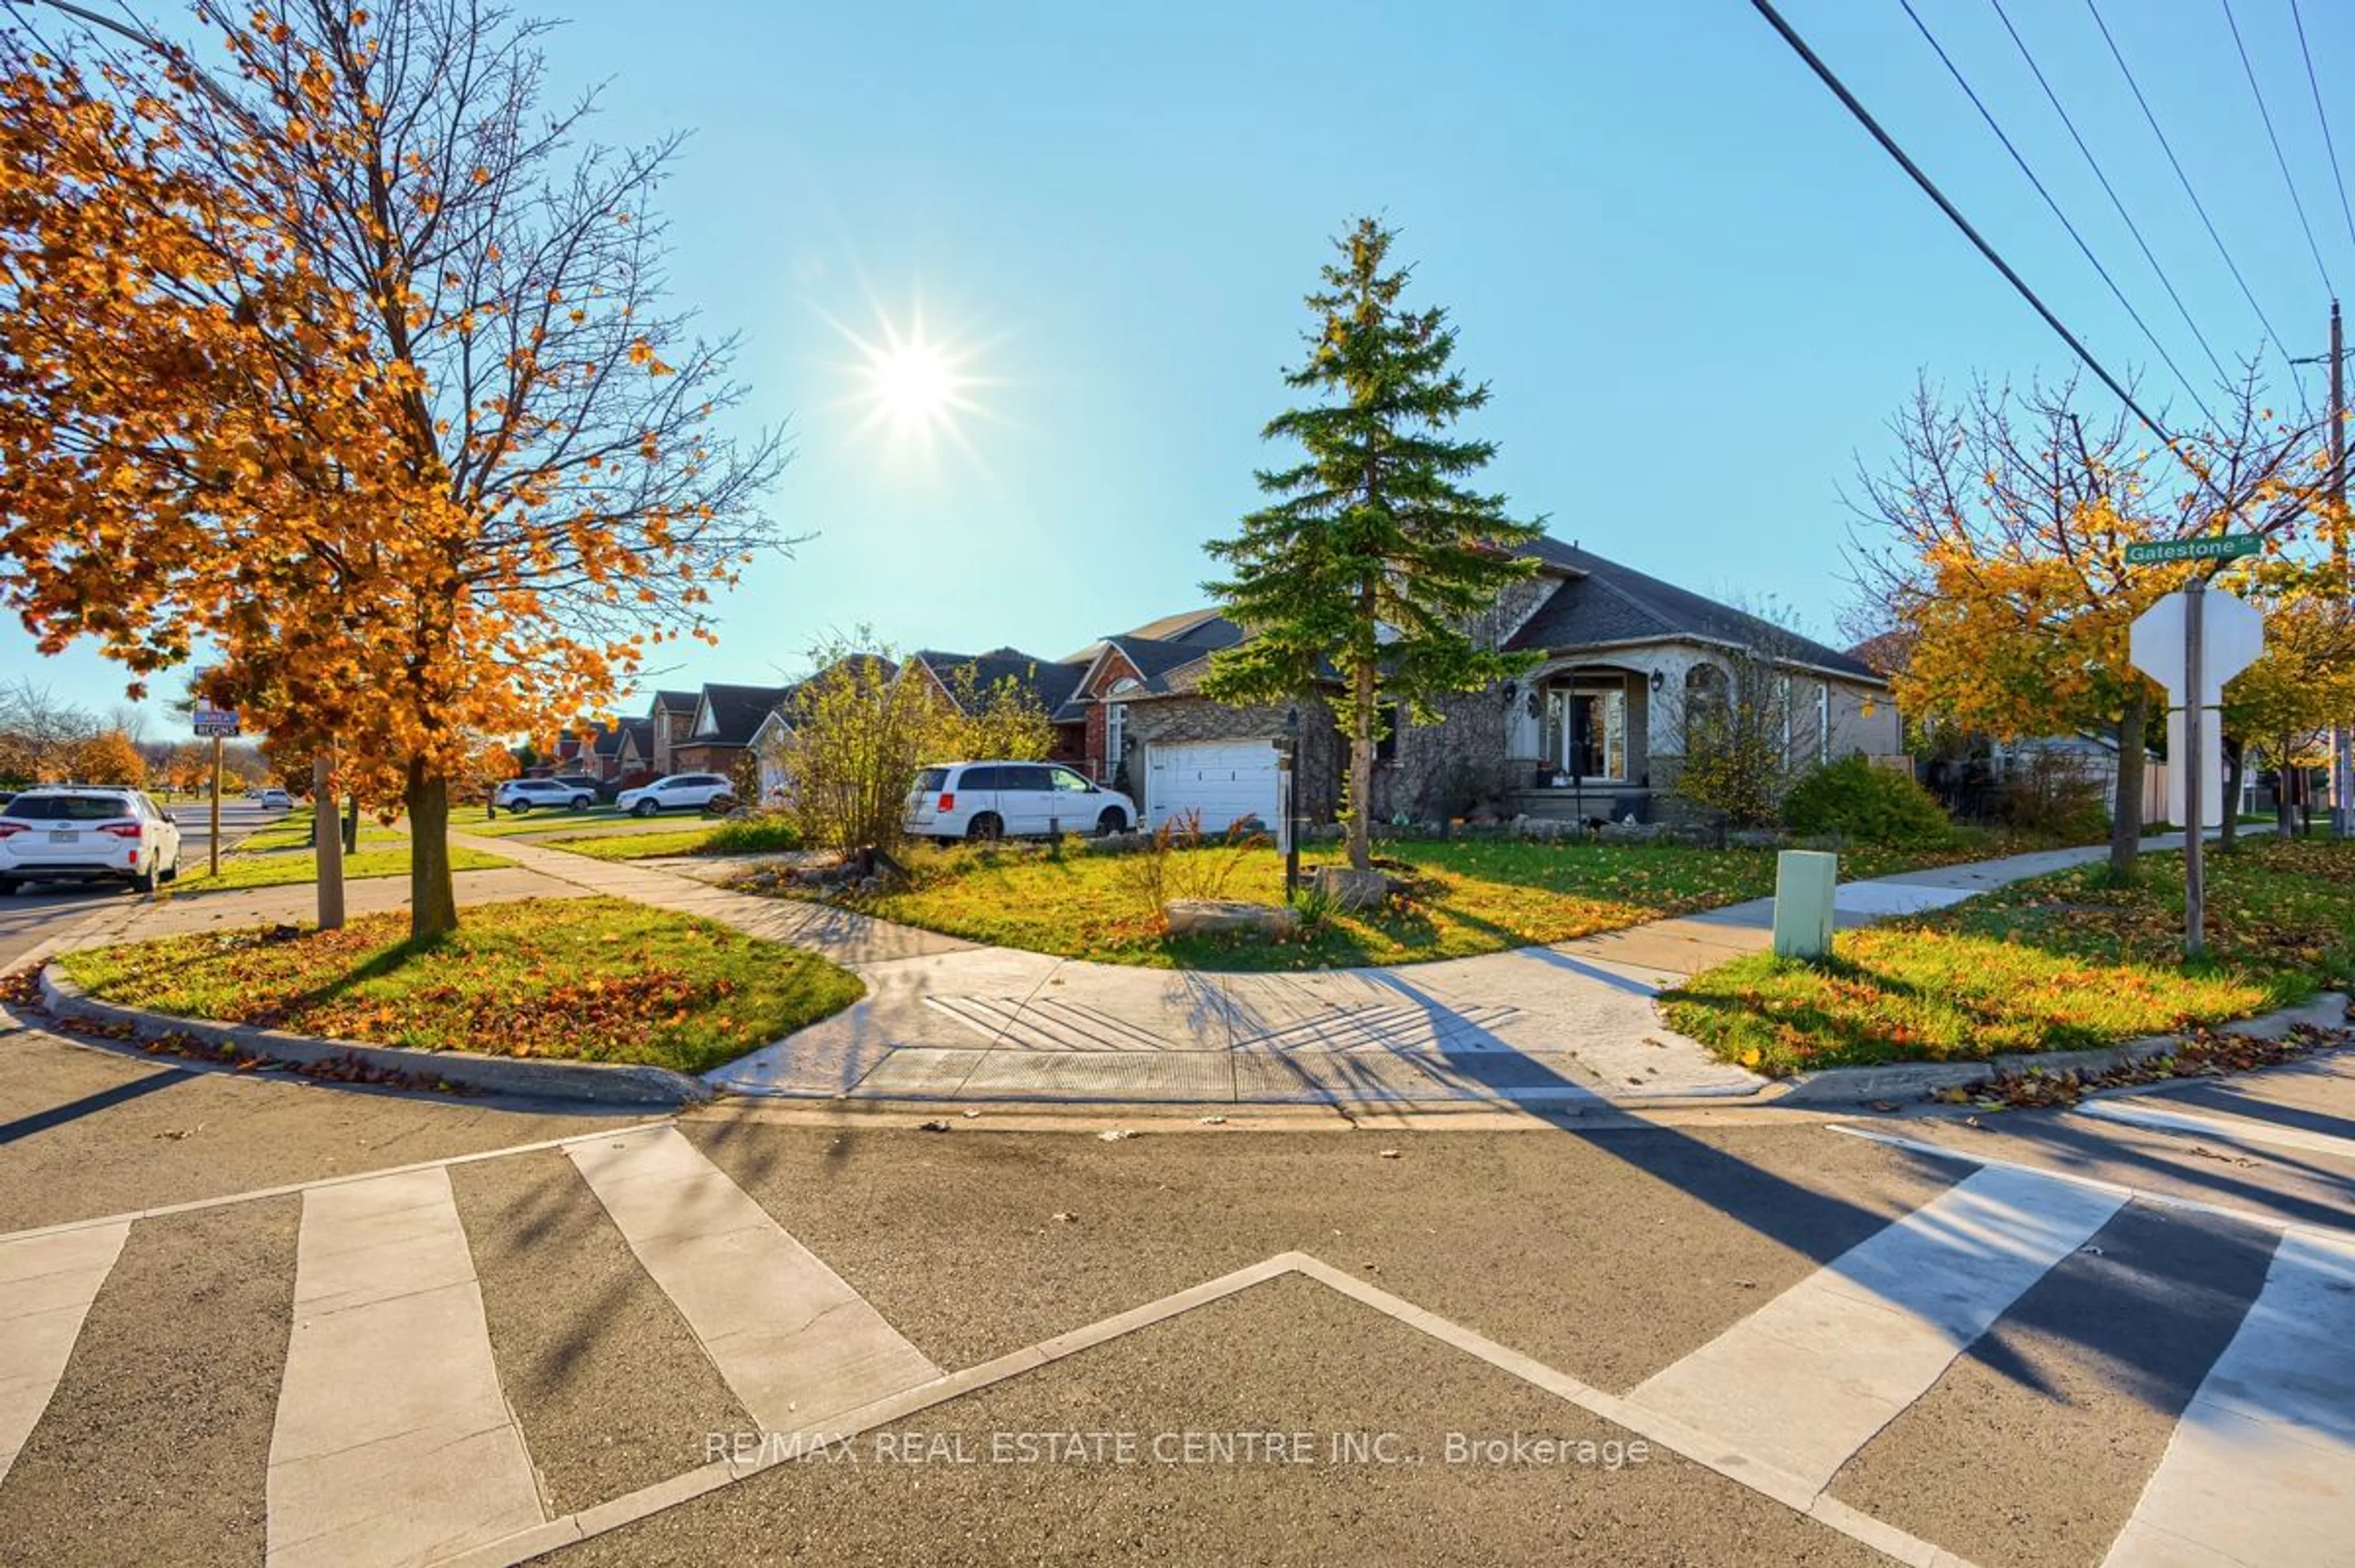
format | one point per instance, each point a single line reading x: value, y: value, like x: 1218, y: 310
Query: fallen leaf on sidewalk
x: 1212, y: 1121
x: 1113, y: 1135
x: 935, y: 1126
x: 1388, y: 1154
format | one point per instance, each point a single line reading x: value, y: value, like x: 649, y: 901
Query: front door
x: 1586, y: 729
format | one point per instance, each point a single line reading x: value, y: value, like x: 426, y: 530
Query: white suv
x: 679, y: 792
x: 87, y: 833
x: 1020, y: 800
x: 520, y: 795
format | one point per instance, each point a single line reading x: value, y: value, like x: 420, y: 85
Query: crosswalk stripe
x: 47, y: 1284
x: 2262, y: 1466
x: 1806, y: 1381
x: 2228, y: 1129
x: 393, y: 1443
x: 794, y: 1342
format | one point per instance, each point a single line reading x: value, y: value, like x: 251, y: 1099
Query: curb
x: 1899, y: 1081
x: 589, y: 1082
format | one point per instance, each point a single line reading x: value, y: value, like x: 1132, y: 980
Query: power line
x: 2088, y: 250
x: 1929, y: 187
x: 2338, y: 180
x: 2280, y: 162
x: 2152, y: 119
x: 2115, y: 200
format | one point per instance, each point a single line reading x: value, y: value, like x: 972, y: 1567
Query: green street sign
x: 2208, y: 547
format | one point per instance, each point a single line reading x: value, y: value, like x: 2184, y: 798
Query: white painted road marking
x: 47, y: 1284
x: 2262, y: 1466
x: 394, y: 1444
x: 2224, y: 1129
x: 1806, y: 1381
x: 795, y: 1343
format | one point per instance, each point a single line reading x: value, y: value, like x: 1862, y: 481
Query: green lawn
x: 737, y: 837
x: 1471, y: 896
x: 590, y: 980
x: 2056, y: 964
x: 293, y: 832
x: 272, y: 868
x: 473, y: 819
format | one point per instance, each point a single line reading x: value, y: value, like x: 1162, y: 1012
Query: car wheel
x: 579, y: 803
x: 171, y: 873
x: 720, y: 805
x: 1111, y: 822
x: 984, y: 829
x: 644, y: 808
x: 145, y: 882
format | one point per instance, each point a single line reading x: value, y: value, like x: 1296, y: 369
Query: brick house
x: 1593, y: 728
x: 726, y: 719
x: 1124, y: 663
x: 1049, y: 682
x: 671, y: 718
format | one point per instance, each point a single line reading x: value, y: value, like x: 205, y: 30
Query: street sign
x: 2232, y: 635
x: 2207, y: 547
x: 2192, y: 643
x: 215, y: 724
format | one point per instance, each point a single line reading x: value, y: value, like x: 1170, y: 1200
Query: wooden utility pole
x: 2342, y: 746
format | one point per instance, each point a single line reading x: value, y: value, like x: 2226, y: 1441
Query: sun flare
x: 914, y: 385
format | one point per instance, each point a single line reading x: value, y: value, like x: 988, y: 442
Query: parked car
x: 679, y: 792
x: 84, y: 834
x: 599, y: 789
x: 274, y: 800
x: 1016, y: 800
x: 521, y: 794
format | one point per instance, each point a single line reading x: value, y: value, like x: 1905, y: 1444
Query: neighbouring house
x: 1593, y: 728
x: 633, y: 756
x: 726, y: 718
x: 1050, y: 683
x: 671, y: 718
x: 1093, y: 719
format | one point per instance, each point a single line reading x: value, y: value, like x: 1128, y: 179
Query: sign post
x: 217, y: 724
x: 2192, y: 643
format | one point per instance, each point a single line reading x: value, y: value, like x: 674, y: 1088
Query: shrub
x: 2051, y: 797
x: 1866, y: 804
x: 751, y: 835
x: 1178, y: 863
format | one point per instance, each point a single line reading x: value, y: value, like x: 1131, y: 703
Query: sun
x: 914, y: 386
x: 914, y: 382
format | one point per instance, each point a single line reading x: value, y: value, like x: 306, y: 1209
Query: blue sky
x: 1696, y: 286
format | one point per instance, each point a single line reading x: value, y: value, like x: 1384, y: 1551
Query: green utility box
x: 1803, y: 881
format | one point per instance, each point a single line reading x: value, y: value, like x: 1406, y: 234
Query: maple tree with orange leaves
x: 1994, y: 545
x: 350, y: 360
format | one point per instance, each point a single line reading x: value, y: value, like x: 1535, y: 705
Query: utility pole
x: 328, y: 845
x: 2343, y: 745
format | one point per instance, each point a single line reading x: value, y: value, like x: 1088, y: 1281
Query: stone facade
x: 1170, y: 720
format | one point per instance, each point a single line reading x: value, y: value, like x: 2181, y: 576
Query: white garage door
x: 1225, y: 781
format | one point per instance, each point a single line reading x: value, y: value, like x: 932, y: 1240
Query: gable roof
x: 608, y: 741
x: 1601, y: 602
x: 640, y: 733
x: 1049, y: 682
x: 734, y: 712
x: 1203, y: 629
x: 674, y: 702
x: 1152, y: 658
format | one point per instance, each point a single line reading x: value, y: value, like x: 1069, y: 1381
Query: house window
x: 1116, y: 736
x: 1392, y: 722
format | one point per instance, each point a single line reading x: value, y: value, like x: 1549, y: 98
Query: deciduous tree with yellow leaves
x: 1995, y: 542
x: 351, y: 359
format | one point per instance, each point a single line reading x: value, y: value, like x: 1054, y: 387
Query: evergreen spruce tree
x: 1371, y: 562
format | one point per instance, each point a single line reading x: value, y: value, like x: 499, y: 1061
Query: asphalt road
x: 1486, y: 1370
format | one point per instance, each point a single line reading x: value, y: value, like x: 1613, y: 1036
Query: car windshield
x: 68, y: 807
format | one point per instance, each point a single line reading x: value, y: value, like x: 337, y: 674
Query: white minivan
x: 1012, y: 800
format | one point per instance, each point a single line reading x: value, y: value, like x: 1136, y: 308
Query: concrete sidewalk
x: 1569, y: 1024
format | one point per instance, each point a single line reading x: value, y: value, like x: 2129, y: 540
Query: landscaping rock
x: 1754, y: 839
x: 1227, y: 917
x: 1348, y: 889
x: 1630, y: 832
